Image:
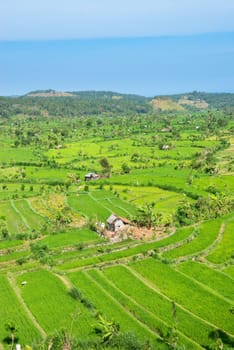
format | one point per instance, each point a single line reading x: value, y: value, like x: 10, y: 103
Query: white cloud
x: 62, y: 19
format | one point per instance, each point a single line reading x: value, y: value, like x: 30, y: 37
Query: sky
x: 147, y: 47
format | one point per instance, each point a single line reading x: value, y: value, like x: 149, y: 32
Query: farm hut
x: 165, y: 147
x: 166, y: 130
x: 116, y: 223
x: 91, y: 176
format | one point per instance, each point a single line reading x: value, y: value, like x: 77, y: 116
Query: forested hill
x: 92, y: 94
x: 82, y: 103
x: 72, y: 104
x: 214, y: 100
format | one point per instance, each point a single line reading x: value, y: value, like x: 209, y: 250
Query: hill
x: 44, y: 103
x: 48, y: 93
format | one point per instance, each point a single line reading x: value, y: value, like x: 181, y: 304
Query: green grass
x: 223, y: 183
x: 7, y: 244
x: 34, y: 220
x: 14, y: 221
x: 71, y: 237
x: 10, y: 190
x: 12, y: 155
x: 12, y: 310
x: 86, y: 205
x: 113, y: 203
x: 165, y: 177
x: 207, y: 232
x: 143, y: 314
x: 225, y: 249
x: 71, y: 151
x: 156, y: 303
x: 45, y: 175
x: 109, y: 306
x: 229, y: 271
x: 100, y: 204
x: 14, y: 255
x: 51, y: 305
x: 187, y: 293
x: 216, y: 280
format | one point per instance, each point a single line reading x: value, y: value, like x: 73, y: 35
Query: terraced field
x: 126, y: 285
x: 224, y: 251
x: 9, y: 311
x: 100, y: 204
x: 61, y: 269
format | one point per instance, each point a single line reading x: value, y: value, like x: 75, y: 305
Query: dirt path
x: 16, y: 290
x: 64, y: 280
x: 219, y: 267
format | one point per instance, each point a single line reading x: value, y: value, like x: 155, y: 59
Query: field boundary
x: 17, y: 292
x: 153, y: 287
x: 144, y: 309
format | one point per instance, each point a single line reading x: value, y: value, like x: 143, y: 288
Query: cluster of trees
x: 146, y: 216
x: 204, y: 208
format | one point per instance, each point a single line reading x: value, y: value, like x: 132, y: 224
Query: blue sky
x: 148, y: 47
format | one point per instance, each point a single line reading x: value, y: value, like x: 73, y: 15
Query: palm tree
x: 106, y: 329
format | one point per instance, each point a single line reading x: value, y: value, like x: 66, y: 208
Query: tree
x: 125, y: 168
x: 11, y: 328
x: 147, y: 217
x: 106, y: 329
x: 5, y: 233
x: 106, y: 167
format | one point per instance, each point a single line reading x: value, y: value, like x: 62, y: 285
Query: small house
x: 91, y: 176
x: 58, y: 146
x: 165, y: 147
x: 116, y: 223
x: 166, y: 130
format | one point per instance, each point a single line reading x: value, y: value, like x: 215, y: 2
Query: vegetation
x: 166, y: 166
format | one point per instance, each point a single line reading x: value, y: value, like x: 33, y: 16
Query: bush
x: 76, y: 294
x: 21, y: 261
x: 129, y: 341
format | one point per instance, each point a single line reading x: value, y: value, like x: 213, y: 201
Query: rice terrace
x: 116, y: 221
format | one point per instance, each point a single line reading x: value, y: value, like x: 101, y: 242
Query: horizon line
x: 111, y: 91
x: 159, y: 36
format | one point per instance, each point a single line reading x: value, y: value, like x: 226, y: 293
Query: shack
x: 116, y: 223
x: 91, y: 176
